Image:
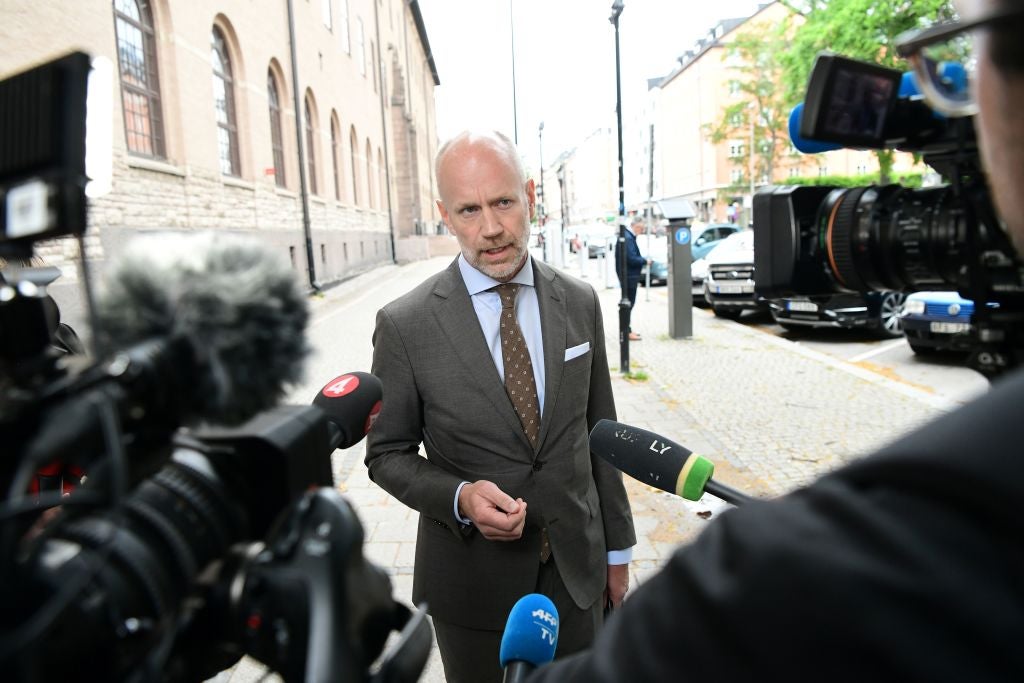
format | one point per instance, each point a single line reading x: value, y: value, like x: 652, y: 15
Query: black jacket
x: 634, y: 261
x: 907, y: 565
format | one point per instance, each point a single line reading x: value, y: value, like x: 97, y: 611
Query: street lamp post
x: 540, y: 192
x: 624, y: 306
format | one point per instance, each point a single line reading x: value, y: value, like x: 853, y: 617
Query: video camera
x: 818, y: 240
x: 206, y: 526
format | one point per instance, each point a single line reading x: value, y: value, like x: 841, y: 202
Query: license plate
x: 805, y: 306
x: 734, y: 289
x: 948, y: 328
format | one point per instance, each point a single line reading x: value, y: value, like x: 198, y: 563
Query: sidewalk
x: 772, y: 416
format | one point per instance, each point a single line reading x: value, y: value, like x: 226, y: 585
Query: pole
x: 751, y: 201
x: 540, y: 193
x: 623, y: 275
x: 307, y: 232
x: 515, y: 111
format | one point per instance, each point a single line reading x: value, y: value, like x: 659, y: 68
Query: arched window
x: 353, y: 146
x: 311, y: 144
x: 140, y: 84
x: 224, y: 105
x: 370, y: 198
x: 276, y: 138
x: 336, y: 154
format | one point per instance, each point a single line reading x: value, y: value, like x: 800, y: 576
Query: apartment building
x: 718, y: 178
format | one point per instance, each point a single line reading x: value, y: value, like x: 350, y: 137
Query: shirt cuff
x: 455, y: 509
x: 620, y: 556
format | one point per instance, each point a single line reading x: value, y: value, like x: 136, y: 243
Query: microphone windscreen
x: 651, y: 458
x: 237, y: 304
x: 351, y: 403
x: 531, y: 632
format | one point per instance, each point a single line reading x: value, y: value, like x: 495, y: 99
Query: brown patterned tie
x: 519, y: 382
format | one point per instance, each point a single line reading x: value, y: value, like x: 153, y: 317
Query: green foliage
x: 912, y: 179
x: 861, y: 29
x: 759, y: 114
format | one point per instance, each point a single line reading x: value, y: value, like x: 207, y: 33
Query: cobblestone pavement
x: 771, y: 415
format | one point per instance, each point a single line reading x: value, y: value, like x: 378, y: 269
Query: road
x: 942, y: 375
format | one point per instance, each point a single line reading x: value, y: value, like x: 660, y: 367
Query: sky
x: 564, y: 62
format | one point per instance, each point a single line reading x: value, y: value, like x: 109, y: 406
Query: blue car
x: 937, y: 321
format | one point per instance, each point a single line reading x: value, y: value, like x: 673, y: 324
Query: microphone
x: 351, y: 402
x: 806, y: 145
x: 230, y: 305
x: 202, y: 327
x: 659, y: 462
x: 530, y: 637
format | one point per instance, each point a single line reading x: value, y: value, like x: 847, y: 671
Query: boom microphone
x: 351, y: 403
x: 659, y: 462
x: 530, y: 637
x: 235, y: 304
x: 207, y: 327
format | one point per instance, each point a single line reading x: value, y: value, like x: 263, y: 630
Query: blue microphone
x: 530, y: 638
x: 801, y: 143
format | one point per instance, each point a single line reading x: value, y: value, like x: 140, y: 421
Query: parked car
x: 655, y: 249
x: 729, y: 285
x: 596, y: 238
x: 938, y: 321
x: 709, y: 236
x: 698, y: 273
x: 705, y: 238
x: 879, y: 311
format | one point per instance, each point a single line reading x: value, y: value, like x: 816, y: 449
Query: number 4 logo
x: 339, y: 386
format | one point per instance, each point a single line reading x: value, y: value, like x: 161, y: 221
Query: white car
x: 729, y: 285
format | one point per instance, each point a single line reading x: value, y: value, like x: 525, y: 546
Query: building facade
x: 719, y: 177
x: 309, y: 123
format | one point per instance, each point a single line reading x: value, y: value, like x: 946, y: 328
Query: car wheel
x: 727, y: 313
x: 889, y: 309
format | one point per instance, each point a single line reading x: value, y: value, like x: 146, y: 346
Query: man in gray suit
x: 497, y: 366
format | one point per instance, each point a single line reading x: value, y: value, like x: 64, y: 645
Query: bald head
x: 455, y: 150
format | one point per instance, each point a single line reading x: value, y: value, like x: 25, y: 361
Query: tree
x: 758, y: 116
x: 861, y: 29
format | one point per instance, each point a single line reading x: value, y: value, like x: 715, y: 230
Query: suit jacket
x: 442, y: 389
x: 903, y: 566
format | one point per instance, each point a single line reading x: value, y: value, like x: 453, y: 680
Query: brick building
x: 307, y: 122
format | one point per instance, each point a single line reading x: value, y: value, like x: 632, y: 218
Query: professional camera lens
x: 891, y: 237
x: 141, y: 559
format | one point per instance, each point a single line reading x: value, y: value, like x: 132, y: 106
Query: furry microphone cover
x: 236, y: 303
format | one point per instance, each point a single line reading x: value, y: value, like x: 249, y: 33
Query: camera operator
x: 906, y: 565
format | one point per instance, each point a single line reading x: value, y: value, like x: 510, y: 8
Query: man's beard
x: 499, y: 271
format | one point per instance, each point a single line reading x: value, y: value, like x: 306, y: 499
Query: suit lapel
x: 551, y: 299
x: 455, y: 314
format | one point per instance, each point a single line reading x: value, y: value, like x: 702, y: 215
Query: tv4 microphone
x: 351, y: 403
x: 530, y: 637
x: 659, y: 462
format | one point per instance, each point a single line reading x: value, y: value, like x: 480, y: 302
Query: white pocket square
x: 576, y: 351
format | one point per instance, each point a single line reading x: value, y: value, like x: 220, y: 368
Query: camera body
x: 187, y: 544
x: 818, y: 240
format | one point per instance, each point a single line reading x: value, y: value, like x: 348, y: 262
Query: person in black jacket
x: 907, y: 565
x: 635, y: 262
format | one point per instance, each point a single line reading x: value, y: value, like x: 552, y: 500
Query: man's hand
x: 618, y: 584
x: 495, y: 514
